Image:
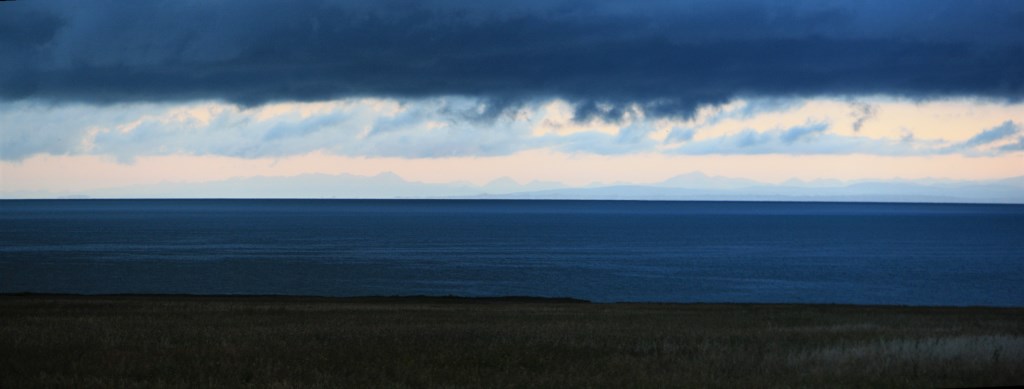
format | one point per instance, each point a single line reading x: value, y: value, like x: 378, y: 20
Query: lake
x: 605, y: 251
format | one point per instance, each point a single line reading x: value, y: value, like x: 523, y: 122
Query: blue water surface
x: 860, y: 253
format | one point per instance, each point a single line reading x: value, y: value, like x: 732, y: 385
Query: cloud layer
x: 447, y: 127
x: 668, y: 58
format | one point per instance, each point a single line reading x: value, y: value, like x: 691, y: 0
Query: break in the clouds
x: 668, y: 58
x: 449, y: 127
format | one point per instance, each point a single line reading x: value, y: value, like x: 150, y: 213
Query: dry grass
x: 168, y: 341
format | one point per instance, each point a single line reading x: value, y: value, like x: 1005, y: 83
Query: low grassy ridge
x: 175, y: 341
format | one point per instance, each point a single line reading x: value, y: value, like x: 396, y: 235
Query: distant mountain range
x: 691, y: 186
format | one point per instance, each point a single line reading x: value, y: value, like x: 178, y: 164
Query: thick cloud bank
x: 667, y: 57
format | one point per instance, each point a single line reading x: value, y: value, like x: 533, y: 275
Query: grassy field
x: 282, y: 342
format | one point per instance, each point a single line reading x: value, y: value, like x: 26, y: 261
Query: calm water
x: 917, y: 254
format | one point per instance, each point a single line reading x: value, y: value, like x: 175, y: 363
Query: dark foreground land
x: 181, y: 341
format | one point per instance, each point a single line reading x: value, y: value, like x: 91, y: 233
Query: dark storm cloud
x: 667, y: 58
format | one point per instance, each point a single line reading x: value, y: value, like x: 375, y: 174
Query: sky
x: 103, y: 94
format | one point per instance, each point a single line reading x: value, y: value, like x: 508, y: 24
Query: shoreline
x: 460, y: 299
